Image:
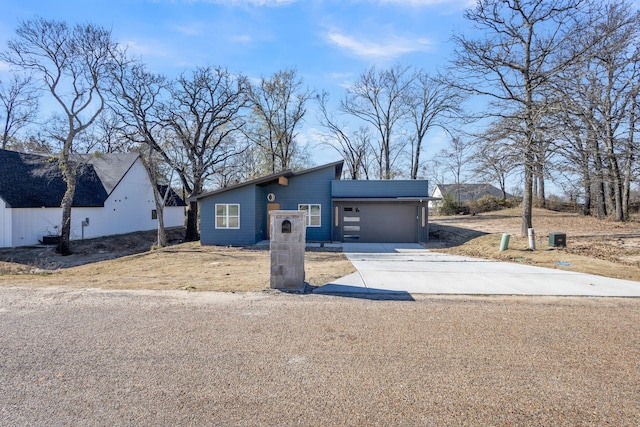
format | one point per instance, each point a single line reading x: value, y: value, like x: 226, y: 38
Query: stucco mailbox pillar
x: 288, y: 234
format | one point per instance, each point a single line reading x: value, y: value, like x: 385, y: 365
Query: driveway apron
x: 387, y: 268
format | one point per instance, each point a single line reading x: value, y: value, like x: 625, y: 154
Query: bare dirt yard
x: 131, y: 262
x: 602, y: 247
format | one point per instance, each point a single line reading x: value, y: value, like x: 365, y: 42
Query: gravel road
x: 91, y: 357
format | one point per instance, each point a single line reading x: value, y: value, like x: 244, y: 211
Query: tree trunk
x: 416, y: 159
x: 527, y: 198
x: 539, y: 192
x: 586, y: 179
x: 629, y: 158
x: 161, y: 239
x: 192, y: 223
x: 601, y: 197
x: 69, y: 174
x: 626, y: 188
x: 542, y: 196
x: 159, y: 199
x: 387, y: 160
x: 615, y: 182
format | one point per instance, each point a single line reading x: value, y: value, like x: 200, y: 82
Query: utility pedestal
x: 287, y: 246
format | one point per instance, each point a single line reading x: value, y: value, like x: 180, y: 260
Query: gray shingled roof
x: 111, y: 168
x: 32, y: 181
x: 469, y: 192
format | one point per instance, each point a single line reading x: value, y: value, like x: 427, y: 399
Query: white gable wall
x: 436, y: 193
x: 127, y: 209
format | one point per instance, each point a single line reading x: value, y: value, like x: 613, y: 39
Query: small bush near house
x: 448, y: 205
x: 556, y: 203
x: 492, y: 203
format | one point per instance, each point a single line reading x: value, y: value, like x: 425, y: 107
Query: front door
x: 271, y: 207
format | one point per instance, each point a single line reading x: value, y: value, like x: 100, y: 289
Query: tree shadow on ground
x: 448, y: 236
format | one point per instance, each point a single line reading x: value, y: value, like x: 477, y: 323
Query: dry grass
x: 594, y: 246
x: 602, y: 247
x: 188, y: 266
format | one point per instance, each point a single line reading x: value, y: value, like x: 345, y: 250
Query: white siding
x: 5, y: 225
x: 173, y: 216
x: 30, y: 224
x: 127, y: 209
x: 436, y: 193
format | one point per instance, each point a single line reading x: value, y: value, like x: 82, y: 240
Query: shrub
x: 448, y: 205
x: 492, y: 203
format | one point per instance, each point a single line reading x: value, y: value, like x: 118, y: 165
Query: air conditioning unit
x: 557, y: 239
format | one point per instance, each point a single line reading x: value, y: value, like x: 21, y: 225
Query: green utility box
x: 557, y: 239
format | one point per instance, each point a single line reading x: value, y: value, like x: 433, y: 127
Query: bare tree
x: 74, y: 64
x: 202, y: 118
x: 19, y: 101
x: 354, y: 148
x: 381, y: 99
x: 496, y: 155
x: 33, y: 143
x: 278, y: 109
x: 432, y: 104
x: 616, y: 57
x: 458, y: 158
x: 106, y: 134
x: 525, y: 43
x: 137, y: 94
x: 597, y: 100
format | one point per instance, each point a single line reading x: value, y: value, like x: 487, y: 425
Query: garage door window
x: 312, y: 217
x: 351, y: 223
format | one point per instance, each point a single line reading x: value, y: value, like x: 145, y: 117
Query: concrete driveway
x: 405, y: 269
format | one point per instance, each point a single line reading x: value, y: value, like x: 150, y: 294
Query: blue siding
x: 312, y: 188
x: 245, y: 235
x: 315, y: 186
x: 380, y: 188
x: 260, y: 219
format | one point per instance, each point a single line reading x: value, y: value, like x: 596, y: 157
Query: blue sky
x: 329, y: 42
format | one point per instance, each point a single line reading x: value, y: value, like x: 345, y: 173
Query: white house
x: 465, y: 192
x: 113, y: 196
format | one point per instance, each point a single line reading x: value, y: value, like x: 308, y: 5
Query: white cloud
x: 154, y: 48
x: 343, y: 80
x: 390, y: 47
x: 241, y: 38
x: 260, y: 3
x: 419, y: 3
x: 191, y: 29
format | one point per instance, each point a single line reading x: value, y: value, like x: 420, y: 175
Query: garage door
x: 379, y: 222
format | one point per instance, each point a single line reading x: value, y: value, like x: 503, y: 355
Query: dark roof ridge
x: 285, y: 173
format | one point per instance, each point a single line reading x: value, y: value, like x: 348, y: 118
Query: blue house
x: 353, y: 210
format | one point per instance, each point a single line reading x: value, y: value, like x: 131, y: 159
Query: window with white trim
x: 227, y: 215
x: 312, y: 217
